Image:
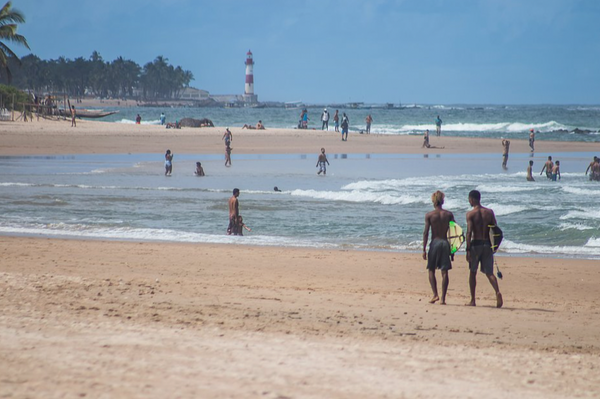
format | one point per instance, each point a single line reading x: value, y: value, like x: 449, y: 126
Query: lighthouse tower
x: 249, y: 96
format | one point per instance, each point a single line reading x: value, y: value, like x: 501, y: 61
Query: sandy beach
x: 93, y: 137
x: 91, y: 318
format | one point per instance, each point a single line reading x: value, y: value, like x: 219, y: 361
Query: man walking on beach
x: 548, y: 167
x: 438, y: 126
x: 368, y: 120
x: 325, y: 120
x: 505, y: 146
x: 438, y: 221
x: 345, y: 123
x: 479, y: 246
x: 531, y: 139
x: 228, y: 137
x: 73, y: 116
x: 234, y: 212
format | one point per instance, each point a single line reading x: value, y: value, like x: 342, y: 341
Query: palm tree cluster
x: 117, y: 79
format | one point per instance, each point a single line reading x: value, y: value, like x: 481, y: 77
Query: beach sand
x: 50, y: 137
x: 85, y: 318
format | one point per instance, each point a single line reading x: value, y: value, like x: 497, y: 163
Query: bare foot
x: 472, y: 303
x: 499, y: 301
x: 443, y: 302
x: 434, y: 299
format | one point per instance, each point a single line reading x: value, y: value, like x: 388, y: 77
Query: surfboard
x: 455, y: 237
x: 496, y: 237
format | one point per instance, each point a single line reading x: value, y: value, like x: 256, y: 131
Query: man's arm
x: 426, y: 236
x: 543, y: 169
x: 468, y: 237
x: 588, y: 168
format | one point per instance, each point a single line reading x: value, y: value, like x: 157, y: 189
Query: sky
x: 338, y: 51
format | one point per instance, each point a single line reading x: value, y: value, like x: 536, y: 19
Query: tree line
x: 120, y: 78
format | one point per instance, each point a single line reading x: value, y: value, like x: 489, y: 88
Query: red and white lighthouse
x: 249, y: 95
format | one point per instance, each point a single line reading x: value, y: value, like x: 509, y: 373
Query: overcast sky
x: 333, y: 51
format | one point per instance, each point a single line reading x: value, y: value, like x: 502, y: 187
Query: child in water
x: 199, y: 170
x: 242, y: 225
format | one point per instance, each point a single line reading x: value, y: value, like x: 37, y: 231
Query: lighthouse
x: 249, y: 96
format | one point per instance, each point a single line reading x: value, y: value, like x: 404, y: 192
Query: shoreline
x: 50, y: 137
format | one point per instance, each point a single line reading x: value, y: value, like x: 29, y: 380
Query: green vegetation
x: 9, y: 20
x: 120, y: 78
x: 8, y: 93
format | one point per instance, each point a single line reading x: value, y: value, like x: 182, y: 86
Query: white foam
x: 509, y: 127
x: 504, y: 189
x: 592, y: 248
x: 581, y: 191
x: 8, y: 184
x: 130, y: 122
x: 574, y: 226
x: 502, y: 210
x: 584, y: 214
x: 359, y: 196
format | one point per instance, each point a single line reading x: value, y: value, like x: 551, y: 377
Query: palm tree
x: 9, y: 19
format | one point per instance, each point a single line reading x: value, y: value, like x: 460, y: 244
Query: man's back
x: 233, y: 206
x: 478, y: 221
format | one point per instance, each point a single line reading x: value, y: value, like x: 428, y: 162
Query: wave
x: 581, y: 191
x: 503, y: 210
x: 132, y: 122
x: 574, y: 226
x: 360, y: 196
x: 591, y: 248
x: 500, y: 127
x: 584, y: 214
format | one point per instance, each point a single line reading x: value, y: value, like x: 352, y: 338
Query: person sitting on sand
x: 529, y: 169
x: 479, y: 245
x: 259, y: 126
x: 548, y: 167
x: 241, y: 225
x: 168, y: 162
x: 426, y: 140
x: 321, y: 162
x: 199, y: 170
x: 439, y: 256
x: 556, y: 171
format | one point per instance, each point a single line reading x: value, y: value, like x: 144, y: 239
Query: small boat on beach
x: 87, y: 113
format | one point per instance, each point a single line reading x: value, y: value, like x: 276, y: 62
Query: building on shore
x: 249, y: 97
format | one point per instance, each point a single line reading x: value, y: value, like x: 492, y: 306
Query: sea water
x: 366, y: 201
x: 551, y: 122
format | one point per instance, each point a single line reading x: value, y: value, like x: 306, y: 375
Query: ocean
x: 366, y: 201
x: 551, y: 122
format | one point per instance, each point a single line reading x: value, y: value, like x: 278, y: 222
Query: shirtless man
x: 228, y: 137
x: 73, y: 116
x: 479, y: 247
x: 321, y: 161
x: 556, y: 171
x: 591, y: 166
x: 234, y: 212
x: 531, y: 139
x: 529, y: 172
x: 439, y: 249
x: 548, y: 167
x: 596, y: 170
x: 505, y: 146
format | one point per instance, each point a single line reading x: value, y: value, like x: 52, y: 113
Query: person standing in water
x: 556, y: 171
x: 438, y: 126
x: 322, y: 162
x: 529, y: 172
x: 228, y: 156
x: 479, y: 246
x: 439, y: 256
x: 505, y: 147
x: 234, y: 212
x: 548, y: 166
x: 168, y: 163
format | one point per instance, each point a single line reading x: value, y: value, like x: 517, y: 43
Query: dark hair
x: 475, y: 195
x: 236, y: 191
x: 530, y: 162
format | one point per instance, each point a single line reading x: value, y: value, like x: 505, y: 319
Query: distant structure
x: 249, y: 96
